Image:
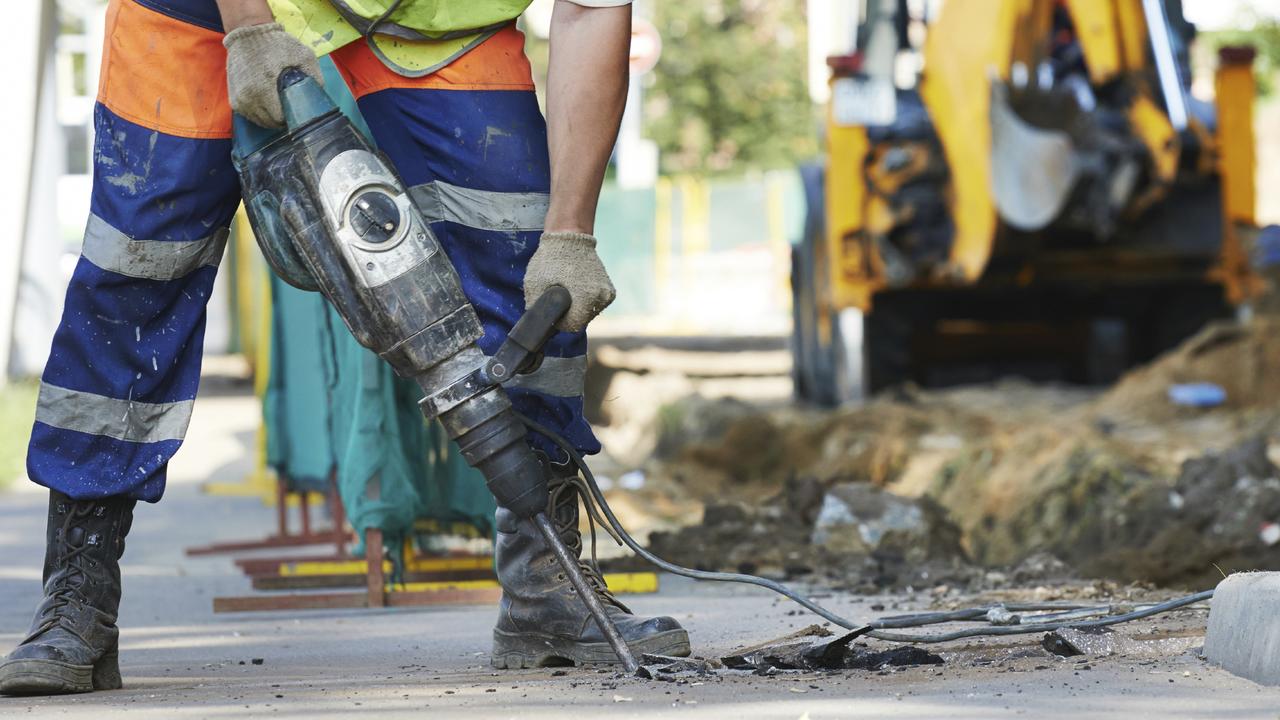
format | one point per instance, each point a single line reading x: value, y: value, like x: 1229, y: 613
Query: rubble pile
x: 849, y: 533
x: 1107, y: 515
x: 813, y: 648
x: 913, y: 486
x: 1132, y: 486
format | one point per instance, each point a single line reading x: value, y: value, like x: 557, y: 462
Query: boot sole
x: 52, y: 677
x: 515, y: 651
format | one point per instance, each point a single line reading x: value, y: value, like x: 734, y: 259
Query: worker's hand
x: 570, y: 259
x: 256, y: 55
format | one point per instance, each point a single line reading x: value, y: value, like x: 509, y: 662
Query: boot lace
x: 68, y: 587
x: 566, y: 492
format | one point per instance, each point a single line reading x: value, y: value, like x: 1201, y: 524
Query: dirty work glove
x: 256, y: 55
x: 570, y: 259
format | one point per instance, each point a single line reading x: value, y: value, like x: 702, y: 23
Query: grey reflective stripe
x: 562, y: 377
x: 120, y: 419
x: 376, y: 47
x: 112, y: 250
x: 395, y: 29
x: 481, y: 209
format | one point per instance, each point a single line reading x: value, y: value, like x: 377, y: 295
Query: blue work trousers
x: 118, y: 389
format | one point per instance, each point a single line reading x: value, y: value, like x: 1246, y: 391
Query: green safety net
x: 333, y: 406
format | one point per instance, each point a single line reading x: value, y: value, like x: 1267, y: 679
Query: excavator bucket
x: 1033, y: 170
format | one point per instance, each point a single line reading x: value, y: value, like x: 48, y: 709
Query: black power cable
x: 598, y: 496
x: 877, y: 629
x: 873, y: 630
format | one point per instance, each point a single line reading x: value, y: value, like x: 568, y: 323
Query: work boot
x: 541, y: 619
x: 73, y: 643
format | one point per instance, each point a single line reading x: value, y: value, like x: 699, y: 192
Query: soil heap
x: 1123, y: 484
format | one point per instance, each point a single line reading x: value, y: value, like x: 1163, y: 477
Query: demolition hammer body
x: 331, y: 215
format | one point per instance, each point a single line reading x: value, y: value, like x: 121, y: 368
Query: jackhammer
x: 331, y: 215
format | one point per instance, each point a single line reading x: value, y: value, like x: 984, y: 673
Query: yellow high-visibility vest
x: 416, y: 38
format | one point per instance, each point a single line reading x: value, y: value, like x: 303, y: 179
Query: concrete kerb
x: 1244, y: 626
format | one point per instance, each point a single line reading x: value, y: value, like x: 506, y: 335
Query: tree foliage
x: 1263, y: 33
x: 730, y: 91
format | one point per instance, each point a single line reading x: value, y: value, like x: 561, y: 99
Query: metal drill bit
x: 586, y: 592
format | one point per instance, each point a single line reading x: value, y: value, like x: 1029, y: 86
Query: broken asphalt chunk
x: 1069, y: 642
x: 905, y: 656
x: 665, y: 667
x: 800, y: 651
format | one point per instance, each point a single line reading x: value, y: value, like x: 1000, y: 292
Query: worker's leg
x: 118, y: 387
x: 472, y: 144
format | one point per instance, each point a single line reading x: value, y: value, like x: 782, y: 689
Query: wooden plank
x: 373, y: 557
x: 270, y: 565
x: 448, y: 596
x: 316, y: 601
x: 333, y: 601
x: 619, y: 583
x: 271, y: 541
x: 355, y: 580
x: 359, y: 566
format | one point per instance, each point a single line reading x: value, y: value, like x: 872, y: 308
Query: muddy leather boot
x: 541, y: 620
x: 72, y: 645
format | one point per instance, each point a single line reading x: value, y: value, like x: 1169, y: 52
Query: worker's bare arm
x: 586, y: 91
x: 243, y: 13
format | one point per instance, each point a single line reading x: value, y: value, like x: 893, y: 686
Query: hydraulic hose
x: 670, y: 567
x: 1067, y: 615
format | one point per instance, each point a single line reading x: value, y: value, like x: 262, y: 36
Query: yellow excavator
x: 1021, y: 187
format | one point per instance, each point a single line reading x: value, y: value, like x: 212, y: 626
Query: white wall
x: 39, y: 253
x: 30, y: 25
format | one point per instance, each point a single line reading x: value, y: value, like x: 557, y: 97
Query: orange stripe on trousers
x: 163, y: 73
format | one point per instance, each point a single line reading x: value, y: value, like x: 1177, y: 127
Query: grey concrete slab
x: 1244, y: 626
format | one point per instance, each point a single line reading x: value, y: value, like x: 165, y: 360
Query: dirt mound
x: 1242, y: 359
x: 723, y: 444
x: 1131, y: 486
x: 1017, y: 494
x: 1107, y: 515
x: 1123, y: 484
